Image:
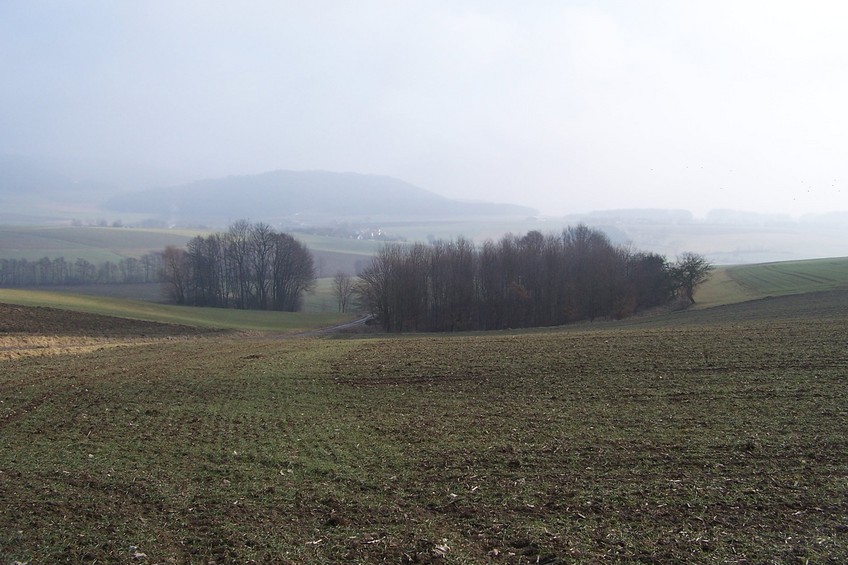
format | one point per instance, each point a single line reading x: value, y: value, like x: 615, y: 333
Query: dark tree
x: 250, y: 266
x: 690, y: 270
x: 176, y: 274
x: 293, y: 272
x: 343, y: 289
x: 519, y: 281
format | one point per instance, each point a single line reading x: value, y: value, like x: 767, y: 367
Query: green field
x: 790, y: 277
x: 729, y: 285
x: 94, y: 244
x: 714, y: 435
x: 192, y: 316
x: 100, y: 244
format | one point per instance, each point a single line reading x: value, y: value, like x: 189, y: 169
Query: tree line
x: 250, y: 266
x: 59, y: 271
x: 520, y: 281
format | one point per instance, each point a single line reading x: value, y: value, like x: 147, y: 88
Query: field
x: 94, y: 244
x: 247, y: 320
x: 100, y: 244
x: 790, y: 277
x: 715, y: 435
x: 728, y: 285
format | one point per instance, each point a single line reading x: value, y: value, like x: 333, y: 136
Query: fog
x: 564, y: 106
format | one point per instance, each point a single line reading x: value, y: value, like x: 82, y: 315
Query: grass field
x: 791, y: 277
x: 100, y: 244
x: 715, y: 435
x: 164, y: 313
x: 94, y: 244
x: 729, y: 285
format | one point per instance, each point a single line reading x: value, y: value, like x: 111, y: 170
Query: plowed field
x: 35, y: 331
x: 700, y: 437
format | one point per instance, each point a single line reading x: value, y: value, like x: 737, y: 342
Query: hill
x: 299, y: 196
x: 33, y: 191
x: 742, y: 283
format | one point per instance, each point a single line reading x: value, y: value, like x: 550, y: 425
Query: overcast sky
x: 563, y: 106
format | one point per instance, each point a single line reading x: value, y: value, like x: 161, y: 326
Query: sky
x: 565, y: 106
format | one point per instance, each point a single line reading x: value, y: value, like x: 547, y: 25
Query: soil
x: 51, y: 321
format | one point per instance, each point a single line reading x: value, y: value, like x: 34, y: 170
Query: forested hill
x: 281, y: 194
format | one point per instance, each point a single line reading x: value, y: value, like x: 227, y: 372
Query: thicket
x: 518, y: 281
x: 251, y: 266
x: 59, y: 271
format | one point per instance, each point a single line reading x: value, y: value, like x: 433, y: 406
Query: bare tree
x: 690, y: 270
x: 343, y: 288
x: 175, y: 273
x: 293, y: 273
x: 518, y: 281
x: 261, y: 252
x: 250, y: 266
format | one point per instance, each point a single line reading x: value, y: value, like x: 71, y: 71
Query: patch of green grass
x: 323, y: 298
x: 95, y: 244
x: 792, y: 277
x: 722, y: 288
x: 169, y: 314
x: 676, y: 442
x: 733, y: 284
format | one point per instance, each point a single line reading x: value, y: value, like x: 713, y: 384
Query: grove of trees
x: 518, y: 281
x: 251, y: 266
x: 59, y: 271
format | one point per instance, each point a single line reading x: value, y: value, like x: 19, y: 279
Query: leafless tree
x: 175, y: 273
x: 689, y: 271
x: 343, y: 289
x: 518, y: 281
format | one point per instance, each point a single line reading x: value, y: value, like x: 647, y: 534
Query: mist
x: 566, y: 107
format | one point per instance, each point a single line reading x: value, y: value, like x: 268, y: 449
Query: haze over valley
x: 716, y: 128
x: 390, y: 209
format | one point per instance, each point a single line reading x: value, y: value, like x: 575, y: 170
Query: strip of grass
x: 675, y: 443
x: 722, y: 288
x: 249, y: 320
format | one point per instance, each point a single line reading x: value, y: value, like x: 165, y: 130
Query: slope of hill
x: 219, y: 318
x: 741, y: 283
x: 301, y: 195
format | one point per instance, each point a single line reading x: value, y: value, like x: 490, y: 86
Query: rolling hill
x: 301, y: 195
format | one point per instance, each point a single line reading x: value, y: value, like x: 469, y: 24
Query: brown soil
x: 27, y: 331
x: 54, y: 322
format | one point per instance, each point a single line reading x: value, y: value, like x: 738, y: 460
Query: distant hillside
x: 306, y: 195
x: 33, y: 191
x: 20, y: 175
x: 24, y: 176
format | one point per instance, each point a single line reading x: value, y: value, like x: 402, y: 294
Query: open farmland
x: 248, y: 320
x: 716, y: 435
x: 100, y: 244
x: 789, y: 277
x: 728, y: 285
x: 95, y: 244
